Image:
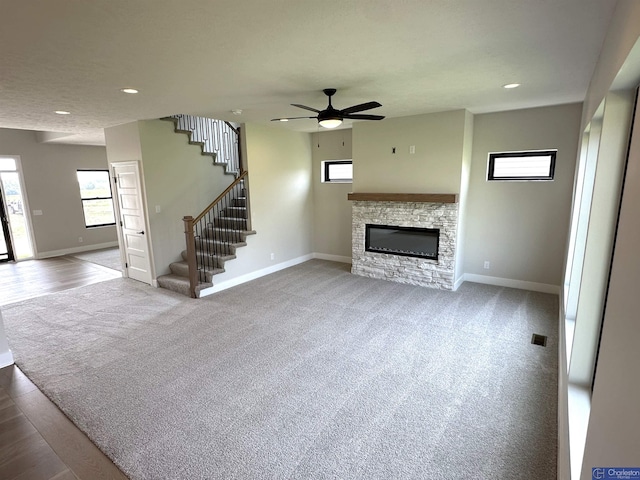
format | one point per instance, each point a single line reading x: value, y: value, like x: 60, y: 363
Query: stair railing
x: 210, y: 235
x: 218, y: 138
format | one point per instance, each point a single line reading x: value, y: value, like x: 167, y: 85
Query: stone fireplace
x: 396, y: 214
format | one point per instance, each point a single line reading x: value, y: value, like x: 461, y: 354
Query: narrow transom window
x: 531, y: 165
x: 97, y: 202
x: 337, y: 171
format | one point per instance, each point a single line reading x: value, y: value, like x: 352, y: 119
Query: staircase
x: 212, y: 237
x: 216, y: 138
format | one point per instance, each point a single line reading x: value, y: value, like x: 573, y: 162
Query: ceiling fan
x: 331, y: 117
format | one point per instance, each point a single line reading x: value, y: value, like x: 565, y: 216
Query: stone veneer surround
x: 413, y: 270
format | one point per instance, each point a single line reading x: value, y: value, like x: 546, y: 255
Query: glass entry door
x: 6, y: 251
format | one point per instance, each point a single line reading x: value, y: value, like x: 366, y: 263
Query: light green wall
x: 179, y: 180
x: 332, y: 210
x: 281, y: 196
x: 51, y: 185
x: 435, y: 167
x: 521, y: 227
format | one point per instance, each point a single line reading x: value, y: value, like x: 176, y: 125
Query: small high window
x: 97, y: 201
x: 337, y: 171
x: 531, y: 165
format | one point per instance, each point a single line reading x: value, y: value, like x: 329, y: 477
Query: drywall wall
x: 51, y: 185
x: 622, y: 35
x: 613, y: 434
x: 179, y: 181
x: 465, y: 178
x: 521, y: 227
x: 281, y: 197
x: 435, y: 167
x: 332, y: 210
x: 6, y: 357
x: 611, y: 158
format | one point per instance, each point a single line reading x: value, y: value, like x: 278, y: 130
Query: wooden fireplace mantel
x: 405, y: 197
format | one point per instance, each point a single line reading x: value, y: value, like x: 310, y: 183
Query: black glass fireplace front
x: 406, y: 241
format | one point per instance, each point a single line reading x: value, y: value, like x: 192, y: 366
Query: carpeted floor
x: 307, y: 373
x: 107, y: 257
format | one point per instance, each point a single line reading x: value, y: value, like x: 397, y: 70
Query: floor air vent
x: 539, y: 340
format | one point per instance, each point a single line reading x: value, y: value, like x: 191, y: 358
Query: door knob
x: 141, y: 233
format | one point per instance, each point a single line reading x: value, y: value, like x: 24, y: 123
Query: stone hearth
x: 441, y: 214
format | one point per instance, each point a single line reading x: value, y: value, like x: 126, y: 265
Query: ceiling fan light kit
x: 331, y: 117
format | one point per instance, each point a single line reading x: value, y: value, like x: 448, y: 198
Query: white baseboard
x: 332, y: 258
x: 6, y: 359
x: 508, y: 282
x: 458, y: 282
x: 253, y: 275
x: 69, y: 251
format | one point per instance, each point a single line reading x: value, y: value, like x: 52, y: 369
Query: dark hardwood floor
x: 37, y: 441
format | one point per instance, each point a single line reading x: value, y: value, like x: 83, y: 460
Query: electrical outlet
x: 393, y: 150
x: 273, y: 256
x: 486, y: 264
x: 80, y: 240
x: 412, y: 149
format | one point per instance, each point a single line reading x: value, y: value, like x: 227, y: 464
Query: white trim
x: 253, y: 275
x: 332, y: 258
x: 563, y: 467
x: 69, y: 251
x: 508, y: 282
x: 459, y: 282
x: 6, y: 359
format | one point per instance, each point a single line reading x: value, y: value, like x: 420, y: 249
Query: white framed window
x: 337, y: 171
x: 522, y: 166
x: 97, y: 200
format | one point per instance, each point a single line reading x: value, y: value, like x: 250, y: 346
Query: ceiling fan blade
x: 364, y: 117
x: 360, y: 108
x: 305, y: 107
x: 288, y: 118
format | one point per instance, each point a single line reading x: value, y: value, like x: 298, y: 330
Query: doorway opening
x: 15, y: 240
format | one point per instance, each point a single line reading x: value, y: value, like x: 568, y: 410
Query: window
x: 337, y: 171
x: 533, y: 165
x: 97, y: 202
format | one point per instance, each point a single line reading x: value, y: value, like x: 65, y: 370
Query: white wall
x: 332, y: 210
x: 622, y: 35
x: 281, y: 195
x: 434, y: 168
x: 611, y: 158
x: 614, y: 423
x: 613, y: 434
x: 6, y: 357
x: 521, y: 227
x: 51, y: 185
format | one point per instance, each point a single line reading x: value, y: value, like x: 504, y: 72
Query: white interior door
x: 132, y: 224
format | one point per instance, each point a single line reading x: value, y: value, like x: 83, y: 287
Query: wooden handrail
x: 191, y: 255
x: 212, y: 204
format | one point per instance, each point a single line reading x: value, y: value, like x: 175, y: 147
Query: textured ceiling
x: 208, y: 57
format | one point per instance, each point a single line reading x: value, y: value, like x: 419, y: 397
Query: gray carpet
x: 107, y: 257
x: 308, y: 373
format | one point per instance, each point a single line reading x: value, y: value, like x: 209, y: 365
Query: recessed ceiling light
x: 63, y: 112
x: 511, y: 85
x: 128, y: 90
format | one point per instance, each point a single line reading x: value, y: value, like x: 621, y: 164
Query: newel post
x: 191, y: 254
